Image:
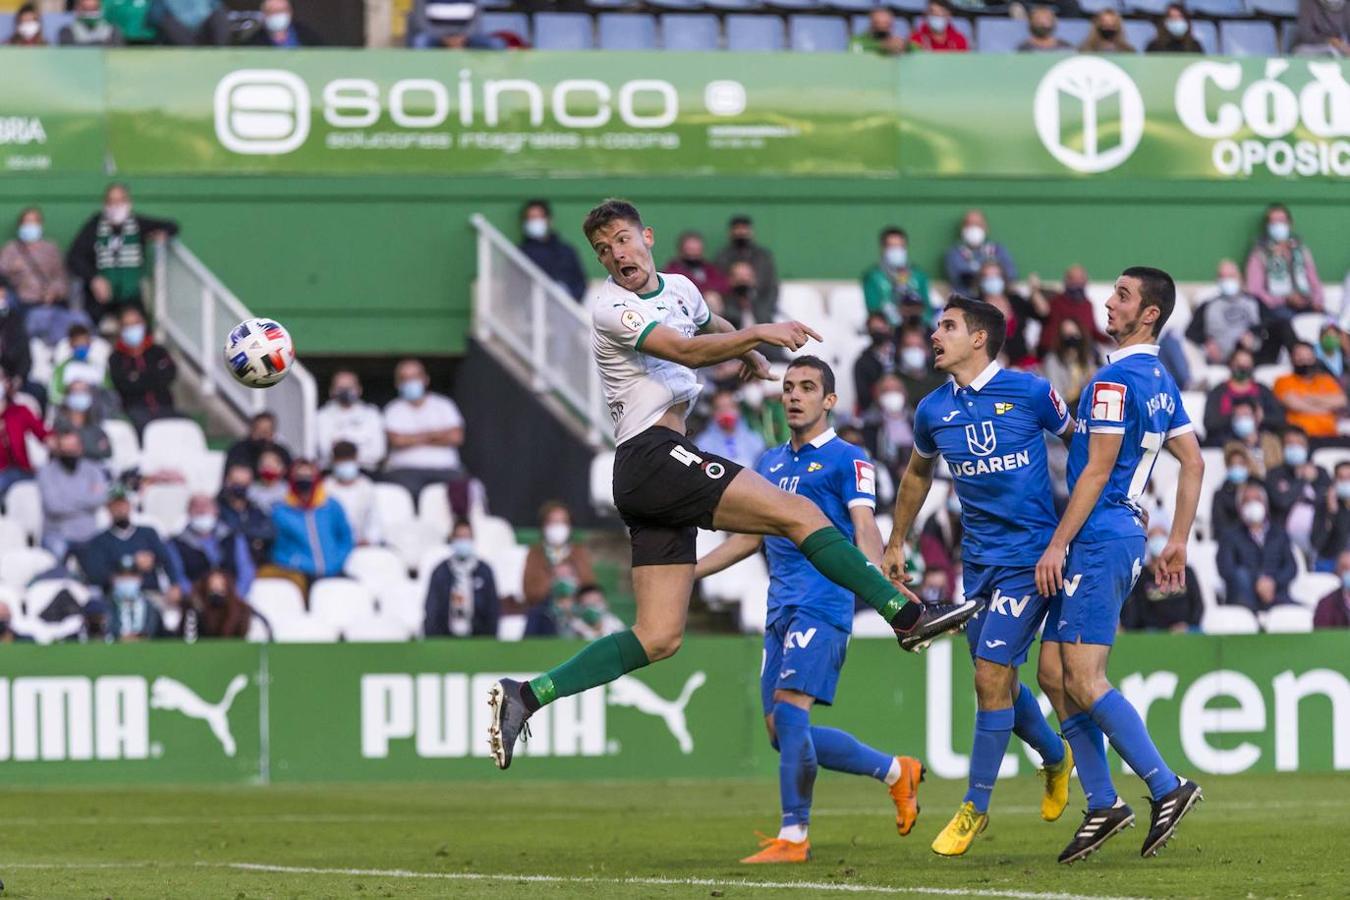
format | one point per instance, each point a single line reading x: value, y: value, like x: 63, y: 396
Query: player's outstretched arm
x: 753, y: 364
x: 1102, y: 452
x: 701, y: 350
x: 1172, y: 561
x: 727, y: 554
x: 914, y: 487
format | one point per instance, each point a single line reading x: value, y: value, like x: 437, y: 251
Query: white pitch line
x: 673, y: 882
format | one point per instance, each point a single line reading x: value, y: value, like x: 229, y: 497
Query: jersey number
x: 1152, y: 443
x: 789, y: 484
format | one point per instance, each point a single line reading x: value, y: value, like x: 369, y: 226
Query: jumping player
x: 989, y: 424
x: 810, y: 618
x: 1129, y: 411
x: 650, y: 331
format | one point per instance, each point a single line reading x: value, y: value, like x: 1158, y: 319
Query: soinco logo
x: 262, y: 111
x: 1074, y: 118
x: 447, y: 716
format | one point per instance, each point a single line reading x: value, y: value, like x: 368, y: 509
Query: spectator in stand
x: 762, y: 406
x: 964, y: 258
x: 1070, y: 303
x: 940, y: 538
x: 917, y: 375
x: 99, y: 556
x: 741, y: 305
x: 1240, y: 385
x: 1225, y: 512
x: 728, y: 435
x: 356, y: 492
x: 7, y: 633
x: 880, y: 358
x: 1246, y: 429
x: 1230, y: 319
x: 345, y: 417
x: 880, y: 37
x: 86, y: 363
x: 132, y: 18
x: 191, y: 23
x: 240, y: 513
x: 936, y: 32
x: 73, y: 489
x: 1280, y: 269
x: 554, y: 569
x: 1017, y: 310
x: 1331, y: 523
x: 1297, y: 489
x: 133, y: 608
x: 887, y: 427
x: 109, y: 253
x: 313, y: 537
x: 15, y: 353
x: 208, y: 543
x: 79, y: 414
x: 27, y: 28
x: 1107, y: 35
x: 142, y: 371
x: 1333, y: 610
x: 935, y: 586
x: 741, y: 247
x: 1255, y: 559
x: 437, y: 24
x: 1312, y: 398
x: 1323, y: 28
x: 710, y: 280
x: 1151, y: 607
x: 280, y: 29
x: 269, y: 487
x: 549, y: 252
x: 1072, y: 362
x: 17, y: 421
x: 425, y: 432
x: 262, y: 436
x: 1174, y: 33
x: 894, y: 286
x: 462, y: 593
x: 89, y: 28
x: 587, y: 616
x: 1042, y: 23
x: 1331, y: 351
x: 32, y: 265
x: 215, y: 609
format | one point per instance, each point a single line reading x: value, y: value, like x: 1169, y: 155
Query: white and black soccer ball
x: 259, y: 353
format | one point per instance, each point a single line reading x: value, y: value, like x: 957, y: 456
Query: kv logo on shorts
x: 799, y: 639
x: 1071, y: 584
x: 1004, y: 604
x: 984, y: 443
x: 713, y: 470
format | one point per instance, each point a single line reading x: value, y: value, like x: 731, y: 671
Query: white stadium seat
x: 1194, y: 404
x: 276, y: 600
x: 167, y: 442
x: 491, y: 533
x: 602, y: 483
x: 1229, y: 620
x: 1288, y: 619
x: 848, y: 308
x: 405, y: 603
x: 1310, y: 587
x: 395, y: 505
x: 373, y: 565
x: 23, y: 506
x: 1328, y: 457
x: 40, y: 594
x: 801, y: 302
x: 11, y: 535
x: 205, y: 472
x: 15, y: 601
x: 411, y: 539
x: 1266, y: 375
x: 1308, y: 326
x: 125, y: 445
x: 340, y: 601
x: 433, y: 509
x: 20, y: 565
x: 377, y: 629
x: 166, y: 505
x: 1202, y: 557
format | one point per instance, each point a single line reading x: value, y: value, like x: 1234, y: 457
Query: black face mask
x: 1241, y: 375
x: 122, y: 522
x: 881, y: 35
x: 881, y: 337
x: 1303, y: 370
x: 345, y: 396
x: 236, y: 492
x: 692, y: 262
x: 303, y: 486
x: 740, y: 242
x: 742, y: 290
x: 1108, y: 33
x: 1072, y: 342
x: 215, y: 598
x: 1041, y: 31
x: 68, y: 462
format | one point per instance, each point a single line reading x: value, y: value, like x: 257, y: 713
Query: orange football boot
x: 778, y: 850
x: 905, y: 793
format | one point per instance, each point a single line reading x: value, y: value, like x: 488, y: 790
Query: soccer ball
x: 259, y: 353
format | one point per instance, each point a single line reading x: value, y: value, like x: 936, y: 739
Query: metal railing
x: 194, y: 313
x: 527, y: 320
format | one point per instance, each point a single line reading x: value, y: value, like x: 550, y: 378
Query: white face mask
x: 536, y: 228
x: 892, y: 402
x: 462, y: 548
x: 117, y: 213
x: 277, y: 22
x: 913, y: 358
x: 1278, y: 231
x: 973, y: 235
x: 937, y: 23
x: 992, y: 285
x: 1156, y: 545
x: 897, y: 257
x: 347, y: 470
x: 1229, y: 287
x: 1177, y: 27
x: 1253, y: 512
x: 557, y: 533
x: 203, y: 524
x: 28, y: 30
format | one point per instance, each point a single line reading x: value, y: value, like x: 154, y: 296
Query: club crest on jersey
x: 631, y: 320
x: 984, y: 442
x: 814, y: 467
x: 1108, y: 401
x: 1000, y: 408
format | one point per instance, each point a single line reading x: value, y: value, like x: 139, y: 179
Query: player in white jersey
x: 651, y: 330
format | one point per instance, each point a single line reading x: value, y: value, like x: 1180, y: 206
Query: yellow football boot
x: 1056, y: 795
x: 960, y: 832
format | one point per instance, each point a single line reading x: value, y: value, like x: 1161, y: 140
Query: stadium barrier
x: 245, y: 713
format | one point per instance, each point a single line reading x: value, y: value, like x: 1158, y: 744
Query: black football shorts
x: 666, y: 488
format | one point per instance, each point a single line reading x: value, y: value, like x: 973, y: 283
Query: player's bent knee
x: 1084, y: 689
x: 662, y: 646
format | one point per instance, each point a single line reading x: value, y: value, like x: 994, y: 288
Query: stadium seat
x: 1194, y: 404
x: 851, y: 6
x: 817, y: 34
x: 40, y: 594
x: 1287, y: 619
x: 167, y: 442
x: 12, y: 535
x: 867, y: 624
x: 377, y: 629
x: 1145, y: 8
x: 1329, y: 457
x: 677, y: 4
x: 733, y: 5
x: 1074, y: 31
x: 998, y: 35
x: 1238, y: 38
x: 340, y: 601
x: 796, y: 5
x: 19, y: 566
x: 492, y: 533
x: 206, y: 472
x: 757, y: 34
x: 125, y: 445
x: 1202, y: 557
x: 403, y: 602
x: 373, y: 565
x: 1092, y: 7
x: 690, y: 32
x: 52, y: 23
x: 508, y: 565
x: 563, y: 31
x: 1218, y: 9
x: 23, y: 506
x: 166, y: 505
x: 1207, y: 33
x: 602, y: 483
x: 42, y: 362
x: 511, y: 628
x: 1310, y: 587
x: 1308, y: 326
x: 394, y: 504
x: 1140, y: 31
x: 433, y: 509
x: 1287, y: 9
x: 411, y: 539
x: 304, y: 630
x: 627, y: 31
x: 277, y: 600
x: 848, y: 309
x: 754, y: 606
x: 1229, y: 620
x: 801, y: 302
x: 908, y: 7
x: 516, y: 23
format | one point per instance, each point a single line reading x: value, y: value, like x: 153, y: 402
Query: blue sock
x: 993, y: 727
x: 842, y: 752
x: 796, y: 762
x: 1089, y: 757
x: 1121, y: 723
x: 1031, y: 727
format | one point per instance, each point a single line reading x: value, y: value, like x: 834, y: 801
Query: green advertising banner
x: 247, y: 713
x: 52, y: 113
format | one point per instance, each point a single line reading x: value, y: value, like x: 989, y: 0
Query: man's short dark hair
x: 1295, y: 431
x: 740, y: 219
x: 1278, y: 207
x: 611, y: 210
x: 1236, y: 351
x: 344, y: 450
x: 264, y: 416
x: 461, y: 522
x: 821, y: 367
x: 982, y: 316
x: 890, y: 230
x: 79, y: 329
x: 1156, y: 288
x: 536, y: 204
x: 1244, y: 401
x: 1337, y: 470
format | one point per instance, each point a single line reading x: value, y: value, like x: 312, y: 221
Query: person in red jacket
x: 1333, y: 610
x: 936, y: 32
x: 1070, y: 303
x: 17, y: 421
x: 142, y: 371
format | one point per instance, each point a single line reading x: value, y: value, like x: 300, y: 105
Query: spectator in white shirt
x: 345, y: 417
x: 346, y: 484
x: 425, y: 431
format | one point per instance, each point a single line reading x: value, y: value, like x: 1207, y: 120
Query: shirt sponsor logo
x: 1108, y: 401
x: 983, y: 442
x: 864, y: 477
x: 1005, y: 463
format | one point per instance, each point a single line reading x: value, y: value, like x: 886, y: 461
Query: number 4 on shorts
x: 685, y: 456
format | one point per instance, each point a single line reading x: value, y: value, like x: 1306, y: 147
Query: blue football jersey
x: 992, y: 436
x: 1133, y: 395
x: 835, y: 476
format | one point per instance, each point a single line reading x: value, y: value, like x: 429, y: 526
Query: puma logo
x: 167, y: 693
x: 951, y: 415
x: 1071, y: 584
x: 628, y: 691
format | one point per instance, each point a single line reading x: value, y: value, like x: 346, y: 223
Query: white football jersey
x: 640, y: 388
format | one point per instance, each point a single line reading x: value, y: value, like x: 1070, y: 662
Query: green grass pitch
x: 1255, y: 836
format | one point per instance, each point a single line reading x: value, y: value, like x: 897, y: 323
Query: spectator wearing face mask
x: 313, y: 538
x: 1323, y: 28
x: 1246, y: 429
x: 965, y: 258
x: 100, y: 555
x: 1042, y: 24
x: 1280, y: 268
x: 936, y: 33
x: 89, y: 28
x: 424, y: 430
x: 280, y: 29
x: 1255, y: 559
x: 1151, y: 607
x: 741, y: 306
x: 549, y: 252
x: 1331, y: 351
x: 914, y: 365
x: 880, y: 37
x: 888, y: 430
x: 1331, y: 525
x: 133, y: 611
x: 1333, y: 610
x: 555, y: 568
x: 79, y: 414
x: 763, y: 410
x: 1312, y: 398
x: 191, y: 23
x: 1107, y: 35
x: 462, y: 594
x: 1296, y: 487
x: 269, y: 486
x: 142, y: 371
x: 348, y: 486
x: 449, y: 25
x: 940, y: 538
x: 1229, y: 320
x: 741, y: 247
x: 690, y: 262
x: 587, y: 615
x: 895, y: 287
x: 27, y: 28
x: 727, y: 434
x: 1070, y: 303
x: 109, y: 253
x: 215, y: 608
x: 1018, y: 312
x: 1239, y: 386
x: 240, y: 513
x: 82, y: 360
x: 1225, y: 507
x: 1071, y: 364
x: 73, y: 489
x: 32, y: 264
x: 1174, y: 33
x: 17, y: 422
x: 262, y: 437
x: 345, y: 417
x: 209, y: 543
x: 880, y: 358
x: 935, y: 587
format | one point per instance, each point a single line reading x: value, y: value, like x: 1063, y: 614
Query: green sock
x: 841, y: 562
x: 599, y: 662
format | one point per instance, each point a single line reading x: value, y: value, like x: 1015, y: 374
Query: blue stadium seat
x: 627, y: 31
x: 733, y: 5
x: 1146, y: 7
x: 859, y: 24
x: 494, y: 4
x: 1000, y: 35
x: 7, y: 28
x: 964, y: 26
x: 686, y: 31
x: 563, y: 31
x: 1139, y: 32
x: 677, y: 4
x: 1092, y: 7
x: 754, y: 33
x: 851, y: 5
x: 817, y: 34
x: 1207, y: 33
x: 796, y: 5
x: 1247, y: 39
x: 909, y: 7
x: 1075, y: 31
x: 1284, y: 8
x: 494, y: 21
x: 1219, y: 9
